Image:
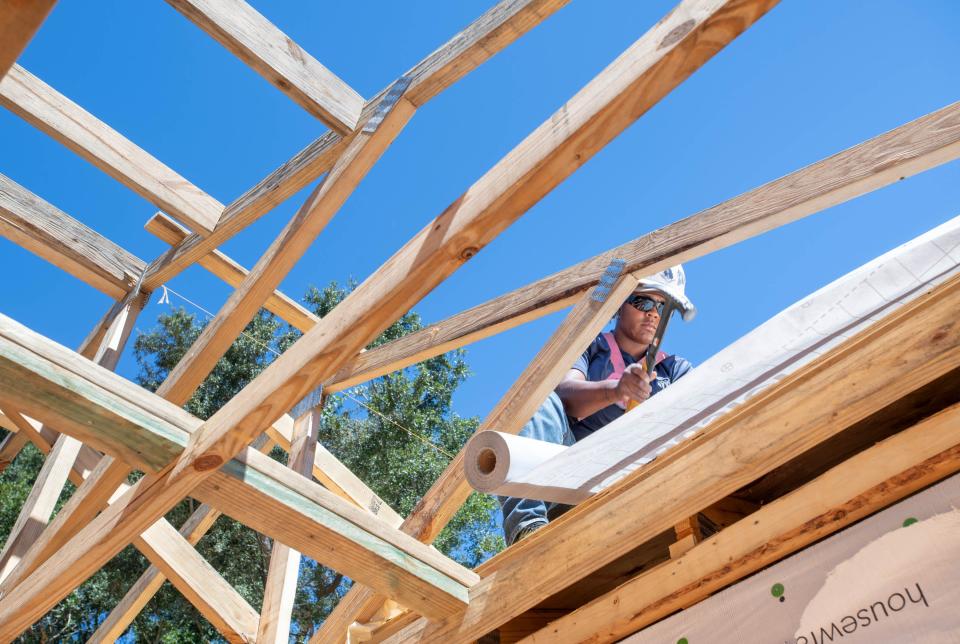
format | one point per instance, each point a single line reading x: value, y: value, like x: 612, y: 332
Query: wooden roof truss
x: 96, y: 427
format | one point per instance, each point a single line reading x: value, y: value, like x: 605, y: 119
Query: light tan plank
x: 858, y: 378
x: 197, y: 580
x: 497, y: 28
x: 30, y: 544
x: 272, y: 54
x: 358, y: 158
x: 50, y: 233
x: 337, y: 477
x: 866, y: 483
x: 337, y: 533
x: 10, y: 447
x: 19, y: 21
x: 149, y: 583
x: 39, y: 505
x: 286, y: 308
x: 919, y: 145
x: 42, y: 106
x: 281, y: 585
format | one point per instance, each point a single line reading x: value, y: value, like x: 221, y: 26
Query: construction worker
x: 601, y: 385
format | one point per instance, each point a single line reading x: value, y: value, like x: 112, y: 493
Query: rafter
x: 272, y: 54
x: 914, y: 147
x: 50, y: 233
x: 19, y: 21
x: 148, y: 584
x: 490, y: 33
x: 46, y: 109
x: 363, y: 151
x: 257, y: 491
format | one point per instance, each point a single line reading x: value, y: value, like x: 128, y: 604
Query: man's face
x: 640, y: 326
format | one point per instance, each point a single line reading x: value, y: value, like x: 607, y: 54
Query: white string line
x: 345, y: 392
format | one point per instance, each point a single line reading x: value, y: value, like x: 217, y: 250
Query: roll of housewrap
x: 496, y: 463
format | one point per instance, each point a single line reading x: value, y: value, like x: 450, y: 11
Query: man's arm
x: 582, y: 397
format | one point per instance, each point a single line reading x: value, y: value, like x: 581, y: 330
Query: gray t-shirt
x: 595, y: 364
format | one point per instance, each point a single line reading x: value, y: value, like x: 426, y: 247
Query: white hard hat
x: 670, y: 282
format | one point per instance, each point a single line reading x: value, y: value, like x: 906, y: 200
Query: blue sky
x: 809, y: 79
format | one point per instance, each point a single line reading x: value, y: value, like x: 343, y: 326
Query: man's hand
x: 635, y: 383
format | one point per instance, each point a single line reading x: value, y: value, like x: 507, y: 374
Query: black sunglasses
x: 645, y: 304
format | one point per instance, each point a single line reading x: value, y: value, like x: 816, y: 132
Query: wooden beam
x: 197, y: 580
x: 286, y: 308
x: 42, y: 106
x: 860, y: 486
x: 40, y: 503
x: 148, y: 584
x: 10, y: 447
x: 364, y: 149
x: 295, y: 511
x: 280, y: 588
x: 493, y: 31
x: 19, y: 21
x: 30, y: 544
x: 35, y: 376
x: 520, y: 402
x: 863, y: 375
x: 92, y: 495
x: 272, y: 54
x: 919, y: 145
x: 50, y: 233
x: 337, y: 477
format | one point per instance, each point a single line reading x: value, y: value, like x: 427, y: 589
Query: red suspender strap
x: 616, y: 359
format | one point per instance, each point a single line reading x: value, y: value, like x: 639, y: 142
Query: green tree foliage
x: 396, y: 433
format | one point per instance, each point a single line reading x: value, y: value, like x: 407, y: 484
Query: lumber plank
x: 914, y: 147
x: 92, y: 494
x: 19, y: 21
x: 848, y: 492
x: 281, y: 586
x: 363, y: 151
x: 337, y: 477
x: 50, y: 233
x: 272, y: 54
x: 148, y: 584
x: 46, y: 109
x: 286, y: 308
x: 286, y: 509
x: 10, y: 447
x: 40, y: 503
x: 870, y: 371
x: 197, y: 580
x: 467, y: 50
x: 511, y: 412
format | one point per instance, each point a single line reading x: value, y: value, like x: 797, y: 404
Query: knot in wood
x: 468, y: 252
x: 207, y: 462
x: 678, y: 32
